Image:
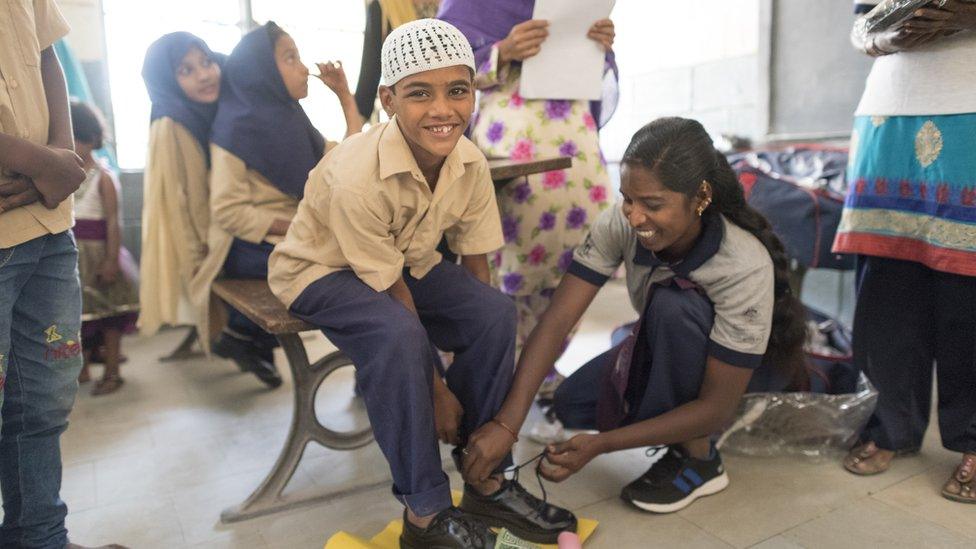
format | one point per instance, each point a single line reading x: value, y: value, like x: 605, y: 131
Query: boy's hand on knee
x: 485, y: 450
x: 59, y: 174
x: 447, y: 414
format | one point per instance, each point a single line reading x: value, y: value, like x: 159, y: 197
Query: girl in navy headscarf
x: 262, y: 148
x: 182, y: 75
x: 544, y: 216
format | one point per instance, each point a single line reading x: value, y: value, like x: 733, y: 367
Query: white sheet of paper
x: 569, y: 65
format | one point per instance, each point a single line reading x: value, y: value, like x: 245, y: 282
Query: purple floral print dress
x: 544, y: 216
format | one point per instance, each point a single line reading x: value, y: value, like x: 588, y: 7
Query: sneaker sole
x: 533, y: 537
x: 711, y: 487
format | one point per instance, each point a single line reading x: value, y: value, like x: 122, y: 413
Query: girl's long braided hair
x: 680, y: 153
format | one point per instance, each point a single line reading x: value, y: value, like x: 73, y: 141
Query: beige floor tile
x: 919, y: 496
x: 78, y: 486
x: 623, y: 526
x: 144, y: 523
x: 871, y: 523
x: 778, y: 542
x: 769, y: 495
x: 154, y: 465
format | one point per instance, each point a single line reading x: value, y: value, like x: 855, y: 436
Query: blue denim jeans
x: 40, y: 357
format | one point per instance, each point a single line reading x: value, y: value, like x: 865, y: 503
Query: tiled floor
x: 153, y: 466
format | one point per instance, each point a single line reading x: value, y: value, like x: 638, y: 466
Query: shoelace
x: 653, y: 451
x: 664, y: 468
x: 538, y: 474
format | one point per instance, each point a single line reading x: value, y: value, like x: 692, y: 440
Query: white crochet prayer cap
x: 423, y: 45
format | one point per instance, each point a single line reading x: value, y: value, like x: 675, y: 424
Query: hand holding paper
x: 524, y: 41
x: 569, y: 62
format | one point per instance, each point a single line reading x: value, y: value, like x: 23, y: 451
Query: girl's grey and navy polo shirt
x: 730, y: 264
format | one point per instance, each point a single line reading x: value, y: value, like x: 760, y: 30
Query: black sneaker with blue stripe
x: 676, y: 480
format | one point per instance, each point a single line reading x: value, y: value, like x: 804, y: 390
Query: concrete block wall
x: 697, y: 59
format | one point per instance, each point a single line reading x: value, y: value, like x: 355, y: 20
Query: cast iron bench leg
x: 305, y: 427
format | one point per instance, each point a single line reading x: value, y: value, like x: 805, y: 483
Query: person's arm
x: 490, y: 443
x: 477, y: 265
x: 178, y: 167
x: 230, y: 200
x: 369, y: 69
x: 717, y: 401
x: 59, y: 132
x: 522, y: 42
x: 54, y: 173
x: 109, y: 194
x: 334, y: 76
x: 926, y: 25
x: 447, y: 408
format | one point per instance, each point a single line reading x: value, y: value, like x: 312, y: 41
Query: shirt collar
x: 707, y: 245
x: 396, y: 157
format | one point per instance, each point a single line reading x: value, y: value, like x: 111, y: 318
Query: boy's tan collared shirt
x: 368, y: 208
x: 27, y: 27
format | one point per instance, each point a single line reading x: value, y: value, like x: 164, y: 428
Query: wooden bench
x: 253, y: 298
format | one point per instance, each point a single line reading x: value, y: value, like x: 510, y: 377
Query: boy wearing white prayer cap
x: 360, y: 263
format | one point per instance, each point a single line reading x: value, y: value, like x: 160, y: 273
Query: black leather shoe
x: 515, y: 508
x: 247, y: 359
x: 450, y: 529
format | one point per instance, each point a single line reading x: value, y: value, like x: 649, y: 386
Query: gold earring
x: 703, y: 206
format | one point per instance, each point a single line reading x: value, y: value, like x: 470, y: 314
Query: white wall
x: 694, y: 58
x: 86, y: 38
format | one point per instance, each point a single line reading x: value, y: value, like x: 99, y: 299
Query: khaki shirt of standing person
x: 175, y: 224
x: 26, y: 29
x: 369, y: 209
x: 243, y: 204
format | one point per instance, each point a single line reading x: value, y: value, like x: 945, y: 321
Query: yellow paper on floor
x: 389, y: 538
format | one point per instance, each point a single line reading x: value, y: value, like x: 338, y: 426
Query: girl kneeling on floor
x: 709, y: 280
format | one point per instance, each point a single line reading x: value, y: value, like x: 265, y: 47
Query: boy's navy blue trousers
x: 390, y: 347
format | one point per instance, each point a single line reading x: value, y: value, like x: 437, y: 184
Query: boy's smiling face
x: 433, y: 109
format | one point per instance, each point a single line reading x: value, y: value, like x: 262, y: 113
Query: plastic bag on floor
x: 805, y: 424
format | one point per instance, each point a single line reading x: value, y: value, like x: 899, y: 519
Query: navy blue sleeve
x: 733, y: 357
x: 582, y: 271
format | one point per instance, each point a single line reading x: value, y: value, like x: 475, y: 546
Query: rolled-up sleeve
x: 601, y: 252
x: 364, y: 236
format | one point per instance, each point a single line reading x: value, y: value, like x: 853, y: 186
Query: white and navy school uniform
x: 717, y: 301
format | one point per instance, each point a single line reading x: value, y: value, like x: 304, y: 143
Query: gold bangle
x: 507, y: 428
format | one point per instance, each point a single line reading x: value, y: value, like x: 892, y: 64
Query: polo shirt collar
x: 395, y: 156
x: 707, y: 245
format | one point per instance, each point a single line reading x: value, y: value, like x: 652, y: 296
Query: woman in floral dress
x: 544, y: 216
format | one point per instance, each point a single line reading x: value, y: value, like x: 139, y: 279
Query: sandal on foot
x: 961, y: 486
x: 107, y: 385
x: 868, y: 459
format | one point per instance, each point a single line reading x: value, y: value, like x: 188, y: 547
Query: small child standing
x: 360, y: 262
x: 109, y: 276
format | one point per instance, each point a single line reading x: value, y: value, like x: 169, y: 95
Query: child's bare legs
x: 84, y: 376
x: 111, y: 380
